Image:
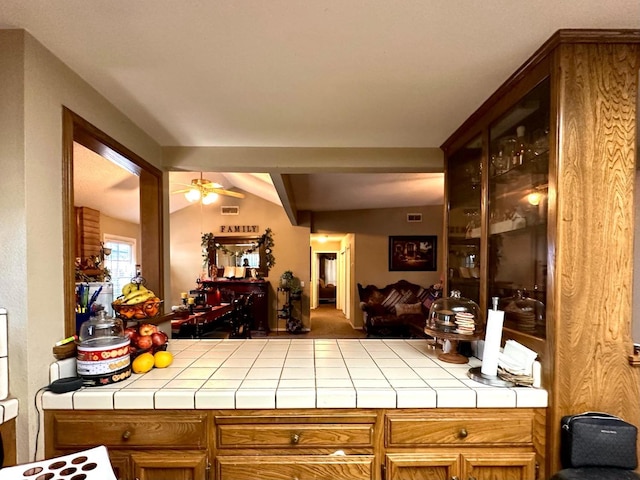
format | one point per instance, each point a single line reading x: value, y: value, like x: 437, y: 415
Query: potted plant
x: 286, y: 279
x: 296, y: 292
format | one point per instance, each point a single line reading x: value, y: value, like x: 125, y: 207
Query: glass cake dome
x: 455, y: 318
x: 456, y: 315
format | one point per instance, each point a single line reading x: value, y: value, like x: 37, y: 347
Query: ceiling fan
x: 206, y: 191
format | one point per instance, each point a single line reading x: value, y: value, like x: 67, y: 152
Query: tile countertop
x: 8, y: 409
x: 297, y: 373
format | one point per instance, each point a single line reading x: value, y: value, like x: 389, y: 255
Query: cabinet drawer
x: 303, y: 467
x: 165, y: 429
x: 472, y: 429
x: 295, y: 436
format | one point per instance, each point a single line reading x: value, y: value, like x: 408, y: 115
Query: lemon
x: 163, y: 359
x: 143, y: 363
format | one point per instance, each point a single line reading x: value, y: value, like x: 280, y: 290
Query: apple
x: 144, y: 342
x: 159, y: 338
x: 130, y: 333
x: 147, y: 329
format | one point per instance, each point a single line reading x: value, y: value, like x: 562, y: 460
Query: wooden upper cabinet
x: 557, y: 157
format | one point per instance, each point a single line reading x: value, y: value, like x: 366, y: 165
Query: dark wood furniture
x: 584, y: 84
x: 201, y: 322
x: 223, y: 291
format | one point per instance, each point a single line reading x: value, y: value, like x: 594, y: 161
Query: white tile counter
x: 8, y: 409
x: 298, y: 373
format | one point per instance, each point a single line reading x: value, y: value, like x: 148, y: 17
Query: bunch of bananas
x: 134, y: 293
x: 137, y: 302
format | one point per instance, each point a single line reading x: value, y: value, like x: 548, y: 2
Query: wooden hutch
x: 556, y: 217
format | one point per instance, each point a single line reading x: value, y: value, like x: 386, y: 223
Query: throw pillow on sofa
x: 408, y: 308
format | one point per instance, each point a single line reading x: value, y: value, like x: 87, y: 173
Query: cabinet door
x: 280, y: 467
x: 421, y: 466
x: 499, y: 466
x: 517, y: 212
x: 173, y: 464
x: 120, y: 464
x: 464, y: 198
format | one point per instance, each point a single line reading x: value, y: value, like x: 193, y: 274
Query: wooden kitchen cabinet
x: 274, y: 446
x: 554, y: 149
x: 465, y: 444
x: 178, y: 465
x: 473, y: 464
x: 279, y: 467
x: 337, y: 444
x: 142, y: 445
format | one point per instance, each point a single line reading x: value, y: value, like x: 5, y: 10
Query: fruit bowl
x: 137, y: 311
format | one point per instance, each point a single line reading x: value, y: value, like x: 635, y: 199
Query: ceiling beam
x: 297, y: 160
x: 282, y: 184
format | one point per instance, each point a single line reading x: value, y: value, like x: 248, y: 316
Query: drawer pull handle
x: 295, y: 438
x: 455, y: 478
x: 463, y: 433
x: 126, y: 435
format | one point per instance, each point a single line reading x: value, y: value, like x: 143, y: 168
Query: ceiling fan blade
x: 222, y: 191
x: 182, y: 191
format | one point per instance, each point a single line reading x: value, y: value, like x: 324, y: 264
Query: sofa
x: 398, y: 310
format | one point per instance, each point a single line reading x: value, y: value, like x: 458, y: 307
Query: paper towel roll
x: 492, y: 340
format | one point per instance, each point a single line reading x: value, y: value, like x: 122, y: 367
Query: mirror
x: 252, y: 253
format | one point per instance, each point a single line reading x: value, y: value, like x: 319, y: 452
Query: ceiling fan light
x: 209, y: 198
x: 192, y: 195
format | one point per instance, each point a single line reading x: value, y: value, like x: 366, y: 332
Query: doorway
x: 327, y: 278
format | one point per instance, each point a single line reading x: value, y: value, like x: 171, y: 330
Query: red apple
x: 131, y: 333
x: 159, y: 338
x: 147, y: 329
x: 144, y: 342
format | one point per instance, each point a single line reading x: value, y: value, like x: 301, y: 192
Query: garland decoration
x: 209, y: 245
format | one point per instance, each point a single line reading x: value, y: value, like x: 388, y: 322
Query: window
x: 121, y: 262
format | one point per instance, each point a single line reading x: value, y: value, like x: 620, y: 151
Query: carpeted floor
x: 326, y: 322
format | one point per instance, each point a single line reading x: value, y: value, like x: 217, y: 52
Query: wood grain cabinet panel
x: 462, y: 429
x: 294, y: 436
x: 180, y: 466
x: 75, y: 430
x: 484, y: 465
x: 292, y: 467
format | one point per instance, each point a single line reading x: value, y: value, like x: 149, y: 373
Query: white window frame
x: 126, y: 240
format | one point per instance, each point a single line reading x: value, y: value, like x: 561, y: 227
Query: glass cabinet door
x: 517, y: 211
x: 464, y: 175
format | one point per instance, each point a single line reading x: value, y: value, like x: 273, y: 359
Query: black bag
x: 594, y: 439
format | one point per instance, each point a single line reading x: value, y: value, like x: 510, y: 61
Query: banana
x: 131, y: 288
x: 138, y: 297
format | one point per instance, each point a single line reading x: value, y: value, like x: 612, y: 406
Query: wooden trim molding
x: 76, y: 129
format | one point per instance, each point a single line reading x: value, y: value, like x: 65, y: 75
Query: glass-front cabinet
x: 517, y: 211
x: 497, y: 186
x: 463, y: 237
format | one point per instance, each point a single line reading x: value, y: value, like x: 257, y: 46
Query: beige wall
x: 291, y: 244
x: 370, y: 251
x: 35, y: 87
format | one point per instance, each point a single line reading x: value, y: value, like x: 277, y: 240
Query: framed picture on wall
x: 413, y: 253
